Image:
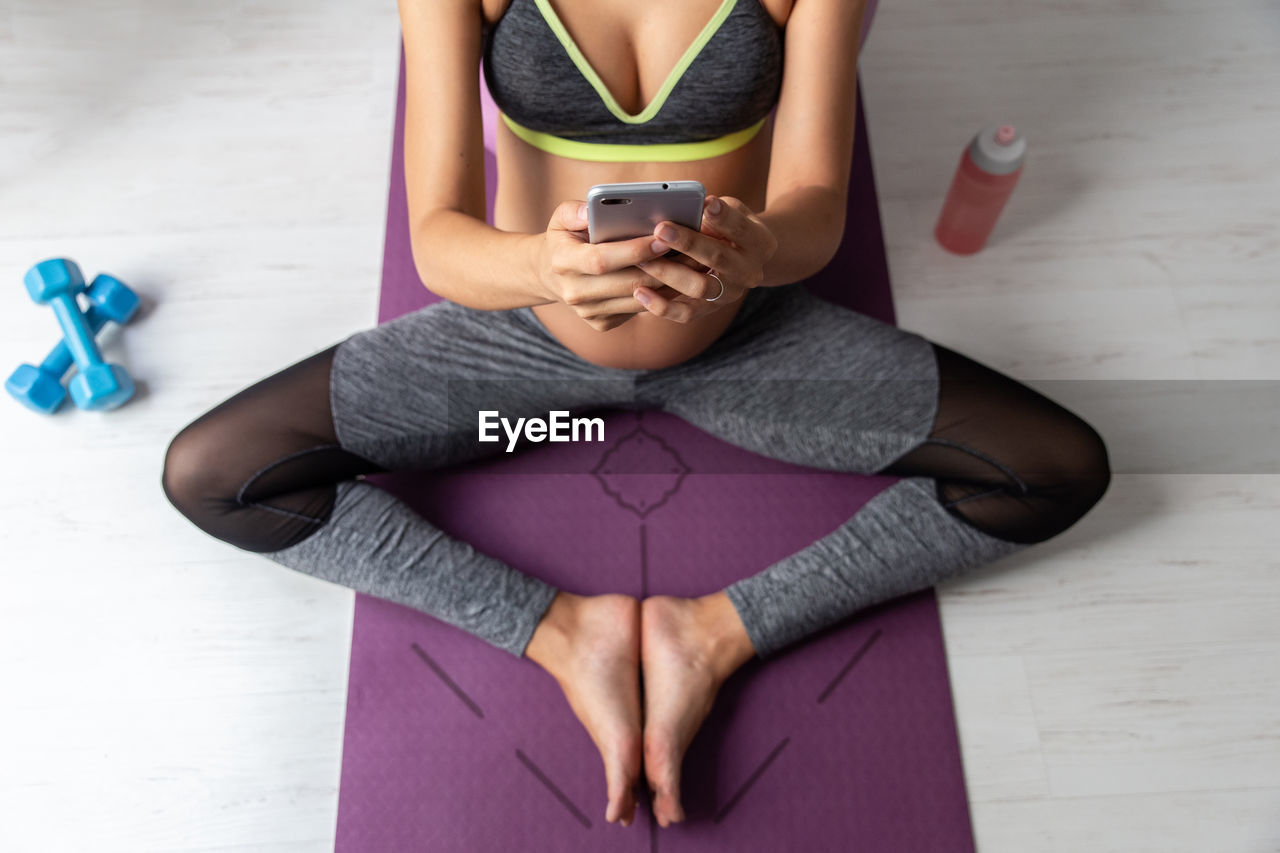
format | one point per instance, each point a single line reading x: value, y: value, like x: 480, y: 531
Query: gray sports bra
x: 716, y: 98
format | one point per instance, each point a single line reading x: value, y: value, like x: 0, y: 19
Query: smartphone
x: 623, y: 211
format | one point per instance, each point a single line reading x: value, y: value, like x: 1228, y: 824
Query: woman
x: 601, y: 92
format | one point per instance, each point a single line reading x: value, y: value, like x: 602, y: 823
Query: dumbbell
x: 97, y: 385
x: 40, y: 388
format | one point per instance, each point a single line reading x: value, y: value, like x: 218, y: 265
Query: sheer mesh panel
x: 260, y: 469
x: 1007, y: 459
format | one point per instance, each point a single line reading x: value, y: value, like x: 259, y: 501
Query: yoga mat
x: 844, y: 742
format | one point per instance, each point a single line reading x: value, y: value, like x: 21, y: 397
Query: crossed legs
x: 988, y: 466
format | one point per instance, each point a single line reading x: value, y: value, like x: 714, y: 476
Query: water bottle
x: 983, y: 182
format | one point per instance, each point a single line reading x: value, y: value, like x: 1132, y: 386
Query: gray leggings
x: 987, y: 464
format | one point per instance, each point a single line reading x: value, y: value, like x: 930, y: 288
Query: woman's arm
x: 812, y: 146
x: 800, y: 229
x: 456, y: 252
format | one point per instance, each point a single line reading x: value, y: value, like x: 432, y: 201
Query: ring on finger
x: 717, y: 278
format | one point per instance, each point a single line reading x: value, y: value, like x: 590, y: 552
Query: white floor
x: 1117, y: 689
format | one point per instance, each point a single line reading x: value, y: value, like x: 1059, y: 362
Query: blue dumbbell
x: 40, y: 388
x: 97, y: 385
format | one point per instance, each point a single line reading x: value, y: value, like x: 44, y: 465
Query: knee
x: 1077, y: 473
x: 1089, y: 467
x: 190, y: 476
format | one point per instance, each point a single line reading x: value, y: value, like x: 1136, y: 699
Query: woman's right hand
x: 596, y: 280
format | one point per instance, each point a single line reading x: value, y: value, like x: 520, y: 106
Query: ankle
x: 726, y: 642
x: 552, y: 640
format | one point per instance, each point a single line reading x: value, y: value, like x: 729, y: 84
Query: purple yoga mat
x: 844, y: 742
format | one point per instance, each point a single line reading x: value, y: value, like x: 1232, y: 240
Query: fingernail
x: 713, y: 206
x: 642, y: 297
x: 582, y: 211
x: 658, y: 246
x: 666, y: 232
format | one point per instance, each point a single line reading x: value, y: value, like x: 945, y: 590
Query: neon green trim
x: 662, y: 152
x: 553, y: 21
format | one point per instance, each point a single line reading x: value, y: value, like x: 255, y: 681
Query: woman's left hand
x: 733, y: 243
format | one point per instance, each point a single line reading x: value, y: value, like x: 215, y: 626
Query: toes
x: 621, y: 773
x: 622, y: 801
x: 621, y: 808
x: 667, y: 808
x: 662, y: 768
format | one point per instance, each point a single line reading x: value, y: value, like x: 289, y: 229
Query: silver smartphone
x: 623, y: 211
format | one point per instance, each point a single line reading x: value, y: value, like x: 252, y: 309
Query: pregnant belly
x: 645, y: 342
x: 525, y: 204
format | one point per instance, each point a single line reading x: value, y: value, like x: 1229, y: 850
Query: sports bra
x: 715, y: 99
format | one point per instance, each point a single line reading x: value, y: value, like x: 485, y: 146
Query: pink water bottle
x: 989, y: 168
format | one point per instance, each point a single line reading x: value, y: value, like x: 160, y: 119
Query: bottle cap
x: 998, y: 149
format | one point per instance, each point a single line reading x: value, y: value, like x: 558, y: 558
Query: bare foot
x: 689, y: 647
x: 591, y: 646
